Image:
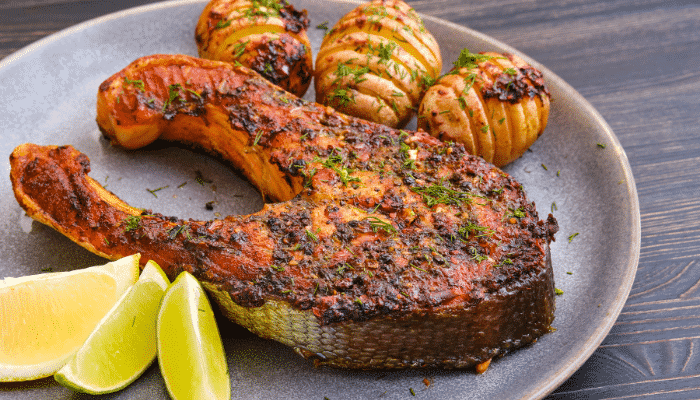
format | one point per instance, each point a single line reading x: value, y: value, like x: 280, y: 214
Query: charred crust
x: 527, y: 82
x: 294, y: 20
x: 280, y: 60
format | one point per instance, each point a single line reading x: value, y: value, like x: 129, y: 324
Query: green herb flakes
x: 469, y: 60
x: 154, y: 191
x: 257, y: 137
x: 437, y: 193
x: 376, y: 224
x: 136, y: 83
x: 131, y: 223
x: 222, y: 24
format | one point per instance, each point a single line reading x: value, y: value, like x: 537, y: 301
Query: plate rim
x: 635, y: 245
x: 592, y: 343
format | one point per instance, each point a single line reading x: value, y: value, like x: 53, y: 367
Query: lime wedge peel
x: 46, y: 317
x: 190, y: 352
x: 123, y: 345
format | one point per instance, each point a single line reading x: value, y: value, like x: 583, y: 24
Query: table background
x: 638, y: 63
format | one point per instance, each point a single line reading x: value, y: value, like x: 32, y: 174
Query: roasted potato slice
x: 376, y: 63
x: 268, y: 36
x: 497, y: 105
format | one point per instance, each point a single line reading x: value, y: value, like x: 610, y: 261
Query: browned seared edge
x: 370, y: 222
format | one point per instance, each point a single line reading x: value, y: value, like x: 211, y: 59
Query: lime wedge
x: 123, y: 344
x: 45, y: 318
x: 190, y: 353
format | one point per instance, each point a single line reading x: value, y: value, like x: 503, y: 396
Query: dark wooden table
x: 638, y: 63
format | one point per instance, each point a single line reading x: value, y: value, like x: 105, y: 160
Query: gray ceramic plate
x: 48, y: 97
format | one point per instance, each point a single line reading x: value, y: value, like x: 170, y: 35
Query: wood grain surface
x: 638, y: 63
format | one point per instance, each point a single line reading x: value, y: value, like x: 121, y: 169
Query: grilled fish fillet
x: 378, y: 248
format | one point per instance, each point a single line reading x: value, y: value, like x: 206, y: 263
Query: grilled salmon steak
x: 377, y: 247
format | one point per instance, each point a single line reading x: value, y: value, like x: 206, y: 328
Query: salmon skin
x: 376, y: 248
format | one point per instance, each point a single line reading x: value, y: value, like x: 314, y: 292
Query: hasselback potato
x: 497, y: 105
x: 376, y: 63
x: 268, y: 36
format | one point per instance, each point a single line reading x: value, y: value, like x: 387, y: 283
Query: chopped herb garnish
x: 257, y: 137
x: 418, y: 268
x: 466, y: 230
x: 194, y: 93
x: 505, y: 261
x: 201, y: 179
x: 427, y: 80
x: 462, y: 102
x: 383, y: 50
x: 239, y: 49
x: 342, y: 96
x: 469, y: 82
x: 558, y: 292
x: 137, y: 83
x: 222, y: 24
x: 323, y: 25
x: 469, y: 60
x: 153, y: 191
x: 346, y: 69
x: 476, y: 256
x: 343, y: 267
x: 268, y: 68
x: 173, y: 94
x: 272, y: 7
x: 519, y: 213
x: 177, y: 229
x: 544, y: 166
x: 377, y: 224
x: 601, y: 145
x: 572, y: 236
x: 311, y: 235
x: 511, y: 71
x: 334, y: 162
x: 440, y: 194
x: 131, y: 222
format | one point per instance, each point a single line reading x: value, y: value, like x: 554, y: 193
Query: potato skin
x: 495, y: 104
x: 376, y: 63
x: 268, y: 36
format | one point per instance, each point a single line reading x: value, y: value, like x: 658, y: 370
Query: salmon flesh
x: 376, y: 248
